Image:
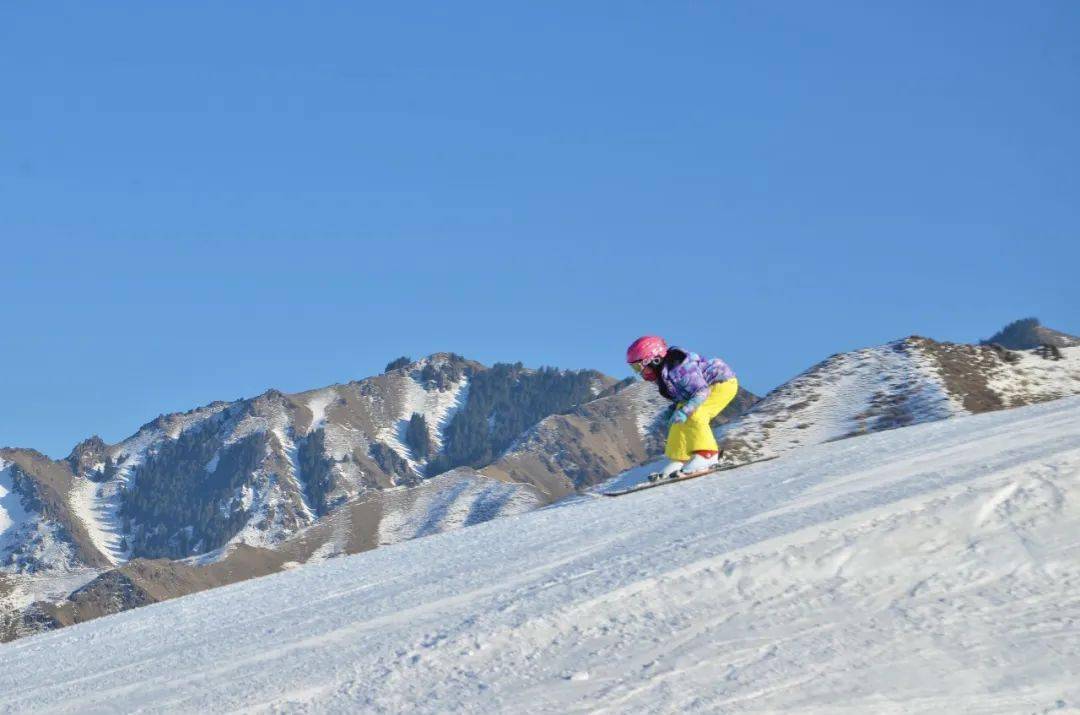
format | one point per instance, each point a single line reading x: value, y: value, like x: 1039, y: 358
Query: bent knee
x: 699, y: 417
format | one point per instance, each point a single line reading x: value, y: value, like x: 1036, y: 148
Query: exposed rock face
x: 91, y: 458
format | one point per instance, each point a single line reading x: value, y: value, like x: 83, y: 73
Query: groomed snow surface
x: 929, y: 569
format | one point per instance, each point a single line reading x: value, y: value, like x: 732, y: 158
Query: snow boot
x: 671, y: 469
x: 700, y: 463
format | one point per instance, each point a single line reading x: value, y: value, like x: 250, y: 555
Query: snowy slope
x: 837, y: 398
x: 902, y: 383
x: 96, y: 502
x: 36, y: 561
x: 930, y: 569
x: 1034, y: 378
x: 452, y: 500
x: 28, y: 543
x: 438, y: 406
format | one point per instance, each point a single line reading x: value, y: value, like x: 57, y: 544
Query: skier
x: 700, y: 390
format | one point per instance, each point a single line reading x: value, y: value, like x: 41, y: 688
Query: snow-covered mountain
x: 1028, y: 334
x: 257, y: 471
x: 903, y: 383
x: 270, y: 473
x: 236, y: 490
x: 934, y: 568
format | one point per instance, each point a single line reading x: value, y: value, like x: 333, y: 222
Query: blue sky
x: 202, y: 200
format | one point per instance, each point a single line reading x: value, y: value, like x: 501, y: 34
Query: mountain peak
x: 1028, y: 334
x: 88, y: 456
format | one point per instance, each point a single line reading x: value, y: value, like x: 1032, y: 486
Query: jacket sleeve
x: 716, y: 370
x: 696, y: 401
x: 692, y: 381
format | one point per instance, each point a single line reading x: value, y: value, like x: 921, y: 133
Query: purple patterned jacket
x: 688, y: 382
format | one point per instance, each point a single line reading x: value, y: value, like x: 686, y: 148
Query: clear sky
x: 202, y: 200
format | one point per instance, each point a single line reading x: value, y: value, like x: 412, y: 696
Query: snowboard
x: 655, y: 480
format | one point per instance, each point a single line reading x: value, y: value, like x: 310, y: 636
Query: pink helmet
x: 646, y: 348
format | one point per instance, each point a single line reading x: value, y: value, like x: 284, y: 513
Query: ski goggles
x: 640, y: 365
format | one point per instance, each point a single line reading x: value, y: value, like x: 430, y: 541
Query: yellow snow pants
x: 695, y: 435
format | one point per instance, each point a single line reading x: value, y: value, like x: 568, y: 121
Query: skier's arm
x: 682, y: 412
x: 696, y: 401
x: 693, y: 381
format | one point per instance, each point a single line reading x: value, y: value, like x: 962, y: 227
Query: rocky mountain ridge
x: 257, y: 470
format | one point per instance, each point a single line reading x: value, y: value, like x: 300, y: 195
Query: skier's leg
x: 685, y: 439
x: 720, y: 397
x: 677, y: 448
x: 699, y: 437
